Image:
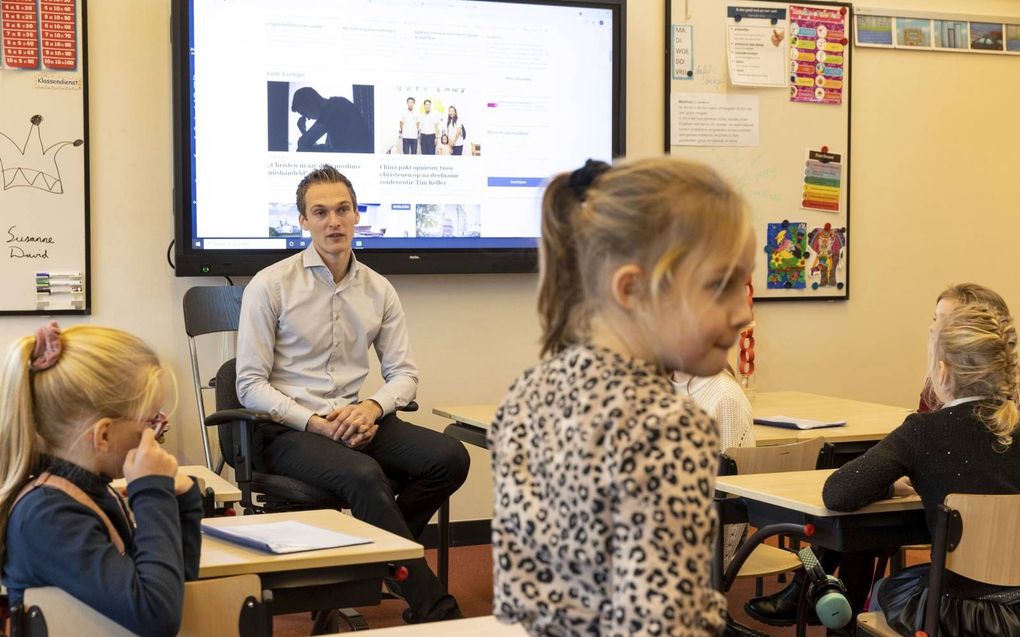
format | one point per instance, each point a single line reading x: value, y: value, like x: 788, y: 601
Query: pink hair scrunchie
x: 47, y: 347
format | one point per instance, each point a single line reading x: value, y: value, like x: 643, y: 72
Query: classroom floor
x: 471, y: 584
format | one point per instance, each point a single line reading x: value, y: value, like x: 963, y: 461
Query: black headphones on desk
x: 826, y: 592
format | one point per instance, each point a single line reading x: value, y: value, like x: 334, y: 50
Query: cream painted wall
x: 934, y: 197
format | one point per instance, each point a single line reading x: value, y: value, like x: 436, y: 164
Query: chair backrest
x: 212, y: 308
x: 208, y: 309
x: 212, y: 607
x: 64, y: 615
x: 799, y: 456
x: 226, y: 398
x: 987, y: 551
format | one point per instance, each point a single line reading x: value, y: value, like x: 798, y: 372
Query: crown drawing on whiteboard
x: 32, y: 164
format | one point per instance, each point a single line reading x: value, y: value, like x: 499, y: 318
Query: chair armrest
x: 227, y: 416
x: 411, y: 406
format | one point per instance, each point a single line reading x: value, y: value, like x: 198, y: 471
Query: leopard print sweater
x: 603, y: 521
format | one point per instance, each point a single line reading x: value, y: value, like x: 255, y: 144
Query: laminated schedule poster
x: 754, y: 46
x: 818, y: 42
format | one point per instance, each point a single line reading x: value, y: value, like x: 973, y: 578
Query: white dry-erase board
x: 761, y: 92
x: 44, y: 190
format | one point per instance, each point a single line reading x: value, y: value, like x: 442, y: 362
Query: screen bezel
x: 192, y: 262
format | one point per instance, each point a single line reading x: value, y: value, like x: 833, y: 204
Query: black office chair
x: 262, y: 491
x: 216, y: 309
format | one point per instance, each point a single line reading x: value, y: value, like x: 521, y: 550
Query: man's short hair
x: 410, y: 99
x: 429, y: 102
x: 324, y: 174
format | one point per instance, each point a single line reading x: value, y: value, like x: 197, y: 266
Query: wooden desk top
x: 864, y: 421
x: 221, y: 558
x: 223, y: 491
x: 802, y: 491
x: 472, y: 627
x: 475, y: 415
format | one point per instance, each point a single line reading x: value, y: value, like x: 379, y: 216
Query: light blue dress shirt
x: 303, y: 340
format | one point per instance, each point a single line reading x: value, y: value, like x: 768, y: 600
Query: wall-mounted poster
x: 44, y: 193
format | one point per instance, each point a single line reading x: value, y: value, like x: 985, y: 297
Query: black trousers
x: 429, y: 466
x: 428, y: 144
x: 410, y: 146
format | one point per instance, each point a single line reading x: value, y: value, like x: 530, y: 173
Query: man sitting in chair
x: 306, y: 326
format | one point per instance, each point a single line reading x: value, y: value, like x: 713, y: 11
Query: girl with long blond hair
x: 78, y: 408
x: 967, y: 446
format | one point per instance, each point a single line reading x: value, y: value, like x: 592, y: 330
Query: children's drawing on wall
x: 786, y: 248
x: 828, y: 244
x: 32, y: 165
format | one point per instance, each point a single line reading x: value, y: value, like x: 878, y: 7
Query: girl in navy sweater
x: 77, y: 409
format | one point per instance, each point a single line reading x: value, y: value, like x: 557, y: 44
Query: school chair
x: 209, y: 310
x: 767, y: 560
x: 216, y: 309
x: 972, y: 539
x: 221, y: 607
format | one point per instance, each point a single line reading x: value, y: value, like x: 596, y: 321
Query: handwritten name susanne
x: 12, y: 237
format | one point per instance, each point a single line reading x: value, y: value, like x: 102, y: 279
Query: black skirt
x: 903, y: 598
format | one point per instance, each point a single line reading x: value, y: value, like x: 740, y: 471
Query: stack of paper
x: 789, y: 422
x: 283, y: 537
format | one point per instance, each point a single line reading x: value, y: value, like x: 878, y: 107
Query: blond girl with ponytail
x: 967, y: 446
x: 604, y: 476
x: 78, y: 408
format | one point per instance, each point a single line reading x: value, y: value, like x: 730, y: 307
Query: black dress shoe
x: 780, y: 609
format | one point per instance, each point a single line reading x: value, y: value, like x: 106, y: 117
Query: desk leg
x: 443, y: 552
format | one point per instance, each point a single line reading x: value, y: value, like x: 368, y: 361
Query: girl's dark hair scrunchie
x: 582, y: 178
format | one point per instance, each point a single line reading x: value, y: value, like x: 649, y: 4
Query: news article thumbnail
x: 324, y: 118
x: 448, y: 220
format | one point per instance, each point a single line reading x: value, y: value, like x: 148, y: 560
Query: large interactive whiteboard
x: 761, y: 91
x: 44, y: 189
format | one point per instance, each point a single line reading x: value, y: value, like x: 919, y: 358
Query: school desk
x: 311, y: 580
x: 865, y: 422
x: 796, y: 497
x: 217, y: 492
x: 487, y: 626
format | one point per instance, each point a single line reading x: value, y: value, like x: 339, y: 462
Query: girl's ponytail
x: 560, y: 294
x: 18, y: 434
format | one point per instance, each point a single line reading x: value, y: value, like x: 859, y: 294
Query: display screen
x: 447, y: 115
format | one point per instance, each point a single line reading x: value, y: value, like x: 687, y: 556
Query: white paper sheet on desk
x: 789, y: 422
x: 283, y: 537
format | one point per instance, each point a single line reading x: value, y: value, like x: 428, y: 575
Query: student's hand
x: 182, y: 482
x: 903, y: 487
x: 355, y: 420
x: 149, y: 459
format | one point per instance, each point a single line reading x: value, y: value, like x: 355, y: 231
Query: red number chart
x: 59, y: 44
x: 20, y: 33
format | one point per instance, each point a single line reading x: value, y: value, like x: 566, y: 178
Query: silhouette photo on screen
x: 324, y: 124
